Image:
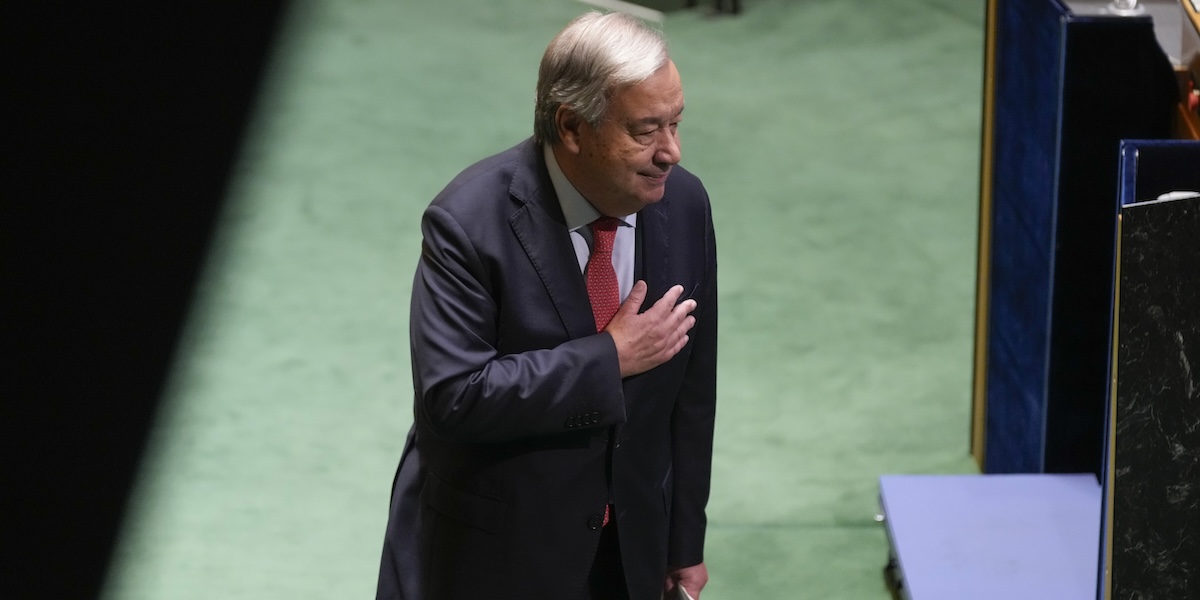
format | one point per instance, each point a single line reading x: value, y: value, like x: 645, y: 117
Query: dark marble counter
x: 1156, y: 491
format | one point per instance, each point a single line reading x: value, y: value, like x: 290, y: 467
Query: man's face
x: 624, y: 161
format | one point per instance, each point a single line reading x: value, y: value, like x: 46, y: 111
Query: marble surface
x: 1156, y: 493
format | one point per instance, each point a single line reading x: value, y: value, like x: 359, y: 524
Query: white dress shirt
x: 580, y: 213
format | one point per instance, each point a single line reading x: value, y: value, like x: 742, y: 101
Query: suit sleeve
x: 467, y: 391
x: 693, y: 421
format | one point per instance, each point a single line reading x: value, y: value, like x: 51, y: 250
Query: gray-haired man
x: 563, y: 332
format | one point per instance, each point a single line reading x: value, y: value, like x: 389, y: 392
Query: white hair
x: 590, y: 58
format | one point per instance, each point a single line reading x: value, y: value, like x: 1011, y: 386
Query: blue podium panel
x: 1029, y: 43
x: 1068, y: 88
x: 994, y: 537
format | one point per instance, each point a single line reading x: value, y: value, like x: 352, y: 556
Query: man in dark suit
x: 561, y: 451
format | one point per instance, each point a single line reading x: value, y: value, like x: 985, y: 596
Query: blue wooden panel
x: 1067, y: 90
x: 1029, y: 39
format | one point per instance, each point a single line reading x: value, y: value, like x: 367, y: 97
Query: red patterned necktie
x: 601, y: 278
x: 602, y: 283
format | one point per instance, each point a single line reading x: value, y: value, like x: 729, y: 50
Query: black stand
x: 721, y: 7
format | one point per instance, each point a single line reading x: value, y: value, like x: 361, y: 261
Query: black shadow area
x: 121, y: 126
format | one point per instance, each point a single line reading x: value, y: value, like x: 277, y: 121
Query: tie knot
x: 606, y: 224
x: 604, y: 230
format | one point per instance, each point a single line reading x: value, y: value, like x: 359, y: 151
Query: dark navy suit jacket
x: 523, y: 427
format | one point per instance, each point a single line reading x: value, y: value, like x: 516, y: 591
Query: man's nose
x: 668, y: 152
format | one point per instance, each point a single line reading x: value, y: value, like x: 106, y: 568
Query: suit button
x: 595, y: 522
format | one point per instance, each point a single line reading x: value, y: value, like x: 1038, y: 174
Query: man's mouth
x: 657, y: 177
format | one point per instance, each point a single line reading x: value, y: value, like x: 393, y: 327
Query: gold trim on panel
x: 1192, y: 11
x: 1111, y: 469
x: 983, y: 266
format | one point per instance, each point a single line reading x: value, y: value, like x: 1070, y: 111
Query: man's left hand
x: 693, y: 579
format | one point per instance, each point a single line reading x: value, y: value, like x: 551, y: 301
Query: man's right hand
x: 649, y: 339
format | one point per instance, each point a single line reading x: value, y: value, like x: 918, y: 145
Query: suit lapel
x: 654, y: 250
x: 542, y: 231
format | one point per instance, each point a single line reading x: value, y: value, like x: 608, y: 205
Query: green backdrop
x: 839, y: 142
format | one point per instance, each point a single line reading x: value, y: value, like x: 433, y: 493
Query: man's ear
x: 568, y: 125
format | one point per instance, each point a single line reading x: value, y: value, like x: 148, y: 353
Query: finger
x: 680, y: 325
x: 683, y: 340
x: 688, y: 323
x: 683, y: 330
x: 633, y: 302
x: 680, y: 314
x: 669, y: 584
x: 674, y: 342
x: 674, y: 293
x: 686, y: 307
x: 669, y: 299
